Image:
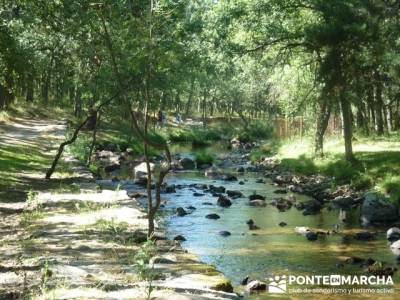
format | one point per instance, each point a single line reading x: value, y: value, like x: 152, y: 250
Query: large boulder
x: 140, y: 173
x: 377, y: 209
x: 187, y: 163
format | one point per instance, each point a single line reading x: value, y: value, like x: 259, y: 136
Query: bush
x: 258, y: 154
x: 198, y: 137
x: 391, y: 185
x: 204, y: 157
x: 342, y: 170
x: 180, y: 135
x: 81, y: 148
x: 362, y: 182
x: 255, y: 131
x: 302, y: 165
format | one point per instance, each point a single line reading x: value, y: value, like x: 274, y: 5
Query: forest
x: 198, y: 149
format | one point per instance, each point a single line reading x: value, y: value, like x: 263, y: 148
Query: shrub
x: 342, y: 170
x: 81, y: 147
x: 204, y: 157
x: 180, y: 135
x: 255, y: 131
x: 302, y: 165
x: 362, y: 182
x: 260, y: 153
x: 391, y: 185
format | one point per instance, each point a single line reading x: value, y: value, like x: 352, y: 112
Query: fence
x: 297, y: 126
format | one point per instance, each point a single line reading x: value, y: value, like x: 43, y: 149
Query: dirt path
x: 85, y: 245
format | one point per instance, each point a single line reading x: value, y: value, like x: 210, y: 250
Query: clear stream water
x: 272, y: 250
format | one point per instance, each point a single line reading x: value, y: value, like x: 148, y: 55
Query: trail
x: 81, y: 244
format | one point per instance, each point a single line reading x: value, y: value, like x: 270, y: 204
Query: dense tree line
x: 246, y: 58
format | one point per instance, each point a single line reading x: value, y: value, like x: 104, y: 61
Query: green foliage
x: 391, y: 186
x: 341, y: 170
x: 198, y: 137
x: 204, y: 158
x: 81, y: 147
x: 111, y: 227
x: 256, y: 131
x: 362, y: 182
x: 302, y: 165
x: 263, y: 151
x: 143, y: 265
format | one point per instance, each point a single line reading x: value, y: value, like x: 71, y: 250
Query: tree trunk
x: 189, y: 102
x: 78, y: 102
x: 323, y: 114
x: 30, y: 87
x: 379, y: 108
x: 94, y: 136
x: 347, y: 126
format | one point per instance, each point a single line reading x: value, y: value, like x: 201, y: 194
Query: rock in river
x: 257, y: 203
x: 229, y: 177
x: 234, y: 194
x: 311, y: 207
x: 255, y: 286
x: 180, y: 212
x: 395, y: 248
x: 393, y: 234
x: 311, y: 236
x: 213, y: 216
x: 224, y: 201
x: 364, y: 236
x: 187, y: 163
x: 216, y: 189
x: 224, y: 233
x: 377, y: 209
x: 250, y: 221
x: 179, y: 238
x: 255, y: 197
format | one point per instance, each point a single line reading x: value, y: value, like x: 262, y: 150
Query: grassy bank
x: 378, y: 162
x: 116, y: 134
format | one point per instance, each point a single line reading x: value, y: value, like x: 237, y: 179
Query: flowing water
x: 272, y: 250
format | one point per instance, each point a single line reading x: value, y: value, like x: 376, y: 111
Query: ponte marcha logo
x: 277, y: 284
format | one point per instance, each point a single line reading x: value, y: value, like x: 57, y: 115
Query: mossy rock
x: 224, y: 286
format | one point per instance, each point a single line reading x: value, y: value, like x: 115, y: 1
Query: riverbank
x: 80, y: 241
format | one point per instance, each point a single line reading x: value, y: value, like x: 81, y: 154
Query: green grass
x: 390, y: 185
x: 261, y: 152
x: 378, y: 162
